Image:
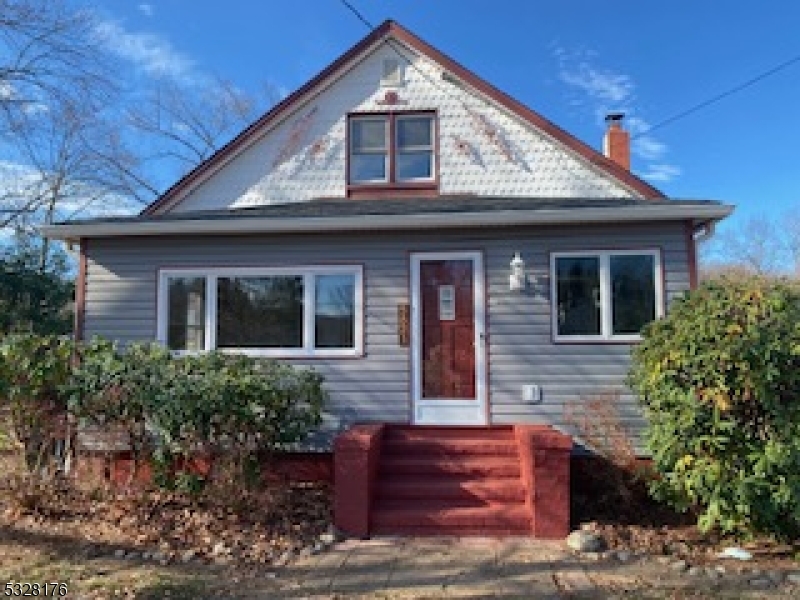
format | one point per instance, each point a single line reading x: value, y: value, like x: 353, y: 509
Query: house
x: 447, y: 258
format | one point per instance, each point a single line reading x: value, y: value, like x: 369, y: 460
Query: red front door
x: 448, y: 329
x: 448, y: 319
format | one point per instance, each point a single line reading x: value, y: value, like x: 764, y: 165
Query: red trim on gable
x: 391, y: 29
x: 534, y: 118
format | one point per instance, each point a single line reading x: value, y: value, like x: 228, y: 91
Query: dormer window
x: 395, y: 150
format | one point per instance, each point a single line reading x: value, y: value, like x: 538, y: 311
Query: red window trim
x: 405, y: 188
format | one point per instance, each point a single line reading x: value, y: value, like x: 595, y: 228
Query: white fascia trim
x: 616, y: 214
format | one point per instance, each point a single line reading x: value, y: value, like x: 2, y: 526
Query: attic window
x: 392, y: 72
x: 392, y: 150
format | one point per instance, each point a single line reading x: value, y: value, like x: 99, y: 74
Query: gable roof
x: 391, y: 29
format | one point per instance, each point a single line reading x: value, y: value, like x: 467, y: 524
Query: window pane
x: 186, y: 329
x: 368, y: 135
x: 335, y: 311
x: 414, y: 132
x: 367, y: 167
x: 414, y: 165
x: 633, y: 292
x: 260, y: 312
x: 578, y: 295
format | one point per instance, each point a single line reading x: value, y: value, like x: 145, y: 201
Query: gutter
x: 705, y: 231
x: 384, y: 222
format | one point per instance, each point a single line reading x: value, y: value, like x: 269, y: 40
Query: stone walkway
x: 489, y: 568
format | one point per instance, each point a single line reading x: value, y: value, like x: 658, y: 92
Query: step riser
x: 453, y: 448
x: 449, y: 481
x: 412, y: 437
x: 431, y: 520
x: 455, y: 430
x: 485, y: 493
x: 451, y: 531
x: 453, y: 497
x: 453, y: 469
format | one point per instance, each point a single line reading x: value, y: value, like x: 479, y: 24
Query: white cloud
x: 602, y: 85
x: 606, y: 90
x: 7, y: 91
x: 151, y: 53
x: 661, y: 172
x: 648, y: 148
x: 146, y: 9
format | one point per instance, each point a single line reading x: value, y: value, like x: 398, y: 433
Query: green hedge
x: 171, y: 408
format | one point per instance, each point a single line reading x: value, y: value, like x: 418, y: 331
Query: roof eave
x: 387, y: 222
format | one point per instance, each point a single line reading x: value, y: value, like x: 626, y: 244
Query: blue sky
x: 569, y: 60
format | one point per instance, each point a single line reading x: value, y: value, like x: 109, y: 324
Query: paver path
x: 488, y: 568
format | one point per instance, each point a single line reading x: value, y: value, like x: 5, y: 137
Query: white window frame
x: 606, y: 307
x: 308, y: 273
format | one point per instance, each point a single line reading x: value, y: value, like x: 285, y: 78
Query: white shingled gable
x: 484, y: 149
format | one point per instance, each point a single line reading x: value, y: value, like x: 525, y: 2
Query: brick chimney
x: 617, y: 141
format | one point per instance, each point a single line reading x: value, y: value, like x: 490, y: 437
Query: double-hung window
x: 286, y: 312
x: 396, y: 149
x: 605, y: 295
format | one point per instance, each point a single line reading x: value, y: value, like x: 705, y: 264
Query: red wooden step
x: 451, y: 447
x: 439, y: 433
x: 458, y: 531
x: 443, y: 517
x: 507, y: 489
x: 468, y: 466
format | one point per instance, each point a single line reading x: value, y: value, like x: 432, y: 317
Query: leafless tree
x: 54, y: 78
x: 72, y: 140
x: 793, y: 239
x: 760, y: 245
x: 178, y: 126
x: 63, y: 172
x: 48, y: 53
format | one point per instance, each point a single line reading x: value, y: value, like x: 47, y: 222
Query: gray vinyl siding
x: 122, y: 277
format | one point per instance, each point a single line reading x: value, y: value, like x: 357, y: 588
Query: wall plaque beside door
x: 403, y: 324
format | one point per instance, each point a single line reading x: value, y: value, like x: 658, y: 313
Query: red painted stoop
x: 413, y: 480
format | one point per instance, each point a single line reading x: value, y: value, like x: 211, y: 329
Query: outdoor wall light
x: 517, y: 281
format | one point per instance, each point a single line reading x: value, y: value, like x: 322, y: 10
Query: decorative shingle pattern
x: 483, y: 150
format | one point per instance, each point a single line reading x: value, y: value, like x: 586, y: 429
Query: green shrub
x: 32, y: 370
x: 118, y: 390
x: 719, y: 380
x: 232, y: 409
x: 212, y: 405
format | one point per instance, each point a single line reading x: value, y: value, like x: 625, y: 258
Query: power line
x: 719, y: 97
x: 356, y: 12
x: 660, y: 124
x: 422, y: 73
x: 435, y: 82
